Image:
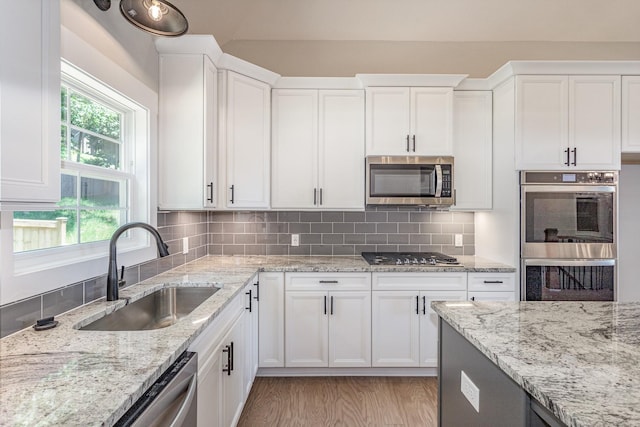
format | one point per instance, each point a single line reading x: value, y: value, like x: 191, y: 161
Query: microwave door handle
x: 438, y: 180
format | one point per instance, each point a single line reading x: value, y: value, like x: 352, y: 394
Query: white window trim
x: 25, y: 276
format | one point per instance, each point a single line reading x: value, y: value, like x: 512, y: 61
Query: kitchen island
x: 579, y: 361
x: 65, y: 376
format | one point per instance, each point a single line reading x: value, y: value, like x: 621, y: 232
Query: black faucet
x: 112, y: 276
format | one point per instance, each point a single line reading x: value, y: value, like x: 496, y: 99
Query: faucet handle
x: 122, y: 282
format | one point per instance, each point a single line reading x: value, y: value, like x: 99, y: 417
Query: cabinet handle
x: 321, y: 197
x: 233, y: 193
x: 232, y: 356
x: 493, y: 281
x: 414, y: 143
x: 575, y: 156
x: 248, y: 293
x: 417, y: 304
x: 567, y: 153
x: 325, y: 304
x: 315, y: 192
x: 328, y: 281
x: 407, y: 143
x: 424, y: 305
x: 473, y: 298
x: 227, y: 349
x: 257, y: 285
x: 210, y: 187
x: 332, y: 305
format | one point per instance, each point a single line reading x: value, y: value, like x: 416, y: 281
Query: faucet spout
x: 112, y: 276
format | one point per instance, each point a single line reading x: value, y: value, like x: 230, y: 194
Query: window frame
x: 30, y: 273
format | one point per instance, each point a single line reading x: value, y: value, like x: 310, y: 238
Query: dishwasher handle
x: 192, y: 392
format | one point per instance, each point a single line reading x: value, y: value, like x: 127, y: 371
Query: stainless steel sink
x: 159, y: 309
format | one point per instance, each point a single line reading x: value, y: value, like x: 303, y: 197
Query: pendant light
x: 158, y: 17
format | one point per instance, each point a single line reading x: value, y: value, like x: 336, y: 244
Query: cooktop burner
x: 409, y: 258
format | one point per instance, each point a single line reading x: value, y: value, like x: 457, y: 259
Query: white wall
x: 629, y: 232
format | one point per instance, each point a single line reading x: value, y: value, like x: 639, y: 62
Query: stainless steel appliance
x: 409, y: 258
x: 171, y: 400
x: 568, y: 235
x: 410, y: 180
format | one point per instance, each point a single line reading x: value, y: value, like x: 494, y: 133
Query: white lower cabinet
x: 224, y: 369
x: 328, y: 323
x: 252, y: 305
x: 404, y: 329
x: 271, y: 320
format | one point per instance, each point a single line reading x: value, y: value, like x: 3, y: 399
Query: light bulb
x: 155, y: 12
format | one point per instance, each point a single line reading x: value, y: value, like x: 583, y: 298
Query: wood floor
x: 341, y: 401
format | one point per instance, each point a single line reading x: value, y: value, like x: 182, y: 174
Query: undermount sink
x: 159, y: 309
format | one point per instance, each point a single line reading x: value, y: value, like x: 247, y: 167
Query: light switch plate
x: 470, y: 391
x: 458, y: 240
x: 185, y: 245
x: 295, y: 240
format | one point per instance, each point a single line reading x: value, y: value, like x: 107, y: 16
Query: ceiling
x: 415, y: 20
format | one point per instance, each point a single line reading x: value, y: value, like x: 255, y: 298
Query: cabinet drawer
x: 501, y: 282
x: 419, y: 281
x: 491, y: 296
x: 327, y: 281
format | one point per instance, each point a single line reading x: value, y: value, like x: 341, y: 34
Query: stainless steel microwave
x: 409, y: 180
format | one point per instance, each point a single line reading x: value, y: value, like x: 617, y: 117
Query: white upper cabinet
x: 245, y: 134
x: 188, y: 132
x: 631, y: 114
x: 567, y: 122
x: 318, y: 149
x: 414, y: 121
x: 30, y: 102
x: 472, y: 149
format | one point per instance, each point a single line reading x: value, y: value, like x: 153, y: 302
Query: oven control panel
x: 568, y: 178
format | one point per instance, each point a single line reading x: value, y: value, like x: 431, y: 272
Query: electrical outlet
x: 185, y: 245
x: 470, y: 391
x: 295, y: 240
x: 458, y: 241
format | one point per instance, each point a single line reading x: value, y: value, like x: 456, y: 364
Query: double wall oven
x: 568, y: 236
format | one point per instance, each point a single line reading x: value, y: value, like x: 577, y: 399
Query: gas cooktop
x: 409, y: 258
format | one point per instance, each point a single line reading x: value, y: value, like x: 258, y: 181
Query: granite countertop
x: 65, y: 376
x: 580, y: 360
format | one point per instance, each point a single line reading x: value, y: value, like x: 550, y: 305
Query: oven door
x: 568, y: 221
x: 568, y: 280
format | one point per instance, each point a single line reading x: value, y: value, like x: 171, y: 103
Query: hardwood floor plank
x: 341, y: 401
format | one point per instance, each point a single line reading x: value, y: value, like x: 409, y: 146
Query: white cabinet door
x: 341, y: 149
x: 542, y: 122
x: 295, y: 149
x: 492, y: 296
x: 429, y: 324
x: 388, y: 120
x: 271, y: 323
x: 30, y: 102
x: 431, y: 121
x: 306, y: 329
x: 594, y: 122
x: 210, y: 387
x: 631, y: 114
x: 247, y: 136
x: 233, y: 392
x: 187, y: 152
x: 395, y: 329
x: 472, y: 150
x: 250, y: 344
x: 349, y: 329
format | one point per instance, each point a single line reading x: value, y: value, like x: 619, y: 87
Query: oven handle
x: 570, y: 262
x: 188, y: 401
x: 438, y: 180
x: 568, y: 188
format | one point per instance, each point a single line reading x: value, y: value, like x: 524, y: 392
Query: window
x: 95, y: 181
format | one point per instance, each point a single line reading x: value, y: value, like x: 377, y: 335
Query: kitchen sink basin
x: 159, y: 309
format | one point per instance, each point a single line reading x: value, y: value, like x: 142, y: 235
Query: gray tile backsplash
x: 340, y: 233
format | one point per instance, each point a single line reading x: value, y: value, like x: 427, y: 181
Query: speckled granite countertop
x: 69, y: 377
x: 581, y: 360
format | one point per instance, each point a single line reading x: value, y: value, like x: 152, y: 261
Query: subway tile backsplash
x: 340, y: 233
x: 264, y: 233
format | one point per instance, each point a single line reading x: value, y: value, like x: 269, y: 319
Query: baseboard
x: 347, y: 372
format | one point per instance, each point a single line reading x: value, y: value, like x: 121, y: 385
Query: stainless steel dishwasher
x: 171, y: 400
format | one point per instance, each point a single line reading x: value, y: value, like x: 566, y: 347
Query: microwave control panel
x: 446, y: 181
